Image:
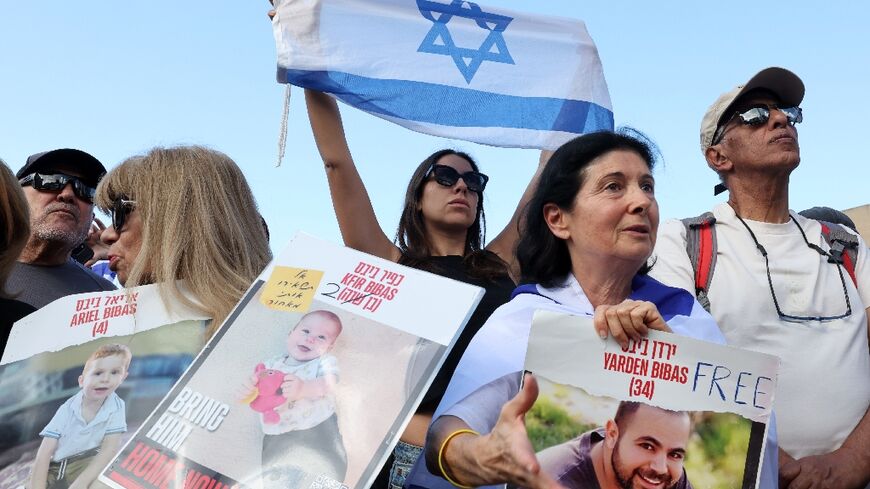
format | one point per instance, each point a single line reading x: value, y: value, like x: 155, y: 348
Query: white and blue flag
x: 448, y: 68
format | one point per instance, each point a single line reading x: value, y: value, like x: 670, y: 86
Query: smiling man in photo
x: 642, y: 447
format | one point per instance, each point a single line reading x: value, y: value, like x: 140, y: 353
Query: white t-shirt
x: 823, y: 389
x: 74, y: 435
x: 303, y: 413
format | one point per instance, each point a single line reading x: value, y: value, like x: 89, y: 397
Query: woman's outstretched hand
x: 505, y: 455
x: 628, y: 320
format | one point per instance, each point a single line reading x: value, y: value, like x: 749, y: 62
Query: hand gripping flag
x: 448, y: 68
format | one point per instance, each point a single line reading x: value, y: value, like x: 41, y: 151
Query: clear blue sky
x: 116, y: 78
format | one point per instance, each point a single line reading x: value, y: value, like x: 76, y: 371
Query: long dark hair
x: 411, y: 235
x: 543, y: 257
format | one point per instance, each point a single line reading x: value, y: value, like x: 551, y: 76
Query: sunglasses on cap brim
x: 448, y: 176
x: 55, y: 182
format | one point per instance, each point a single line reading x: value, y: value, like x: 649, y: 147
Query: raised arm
x: 353, y: 208
x: 505, y: 243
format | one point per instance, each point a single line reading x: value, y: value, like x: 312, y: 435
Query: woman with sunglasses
x: 441, y: 230
x: 184, y: 213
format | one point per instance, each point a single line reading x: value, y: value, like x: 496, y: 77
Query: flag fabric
x: 448, y: 68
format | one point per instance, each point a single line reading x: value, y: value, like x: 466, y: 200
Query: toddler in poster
x: 85, y: 432
x: 297, y: 410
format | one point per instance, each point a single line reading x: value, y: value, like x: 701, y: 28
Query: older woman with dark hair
x: 589, y: 231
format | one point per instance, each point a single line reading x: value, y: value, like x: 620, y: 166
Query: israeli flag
x: 448, y: 68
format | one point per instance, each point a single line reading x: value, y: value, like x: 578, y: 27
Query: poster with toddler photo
x: 667, y: 411
x: 309, y: 382
x: 80, y: 375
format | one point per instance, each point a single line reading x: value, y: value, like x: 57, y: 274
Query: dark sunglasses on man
x: 121, y: 208
x: 759, y: 114
x: 55, y: 182
x: 448, y: 176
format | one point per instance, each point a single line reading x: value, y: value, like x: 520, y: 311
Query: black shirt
x: 11, y: 311
x: 498, y: 292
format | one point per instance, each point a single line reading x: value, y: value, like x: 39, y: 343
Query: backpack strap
x: 844, y: 247
x: 701, y: 248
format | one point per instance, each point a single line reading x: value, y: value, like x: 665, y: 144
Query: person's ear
x: 611, y: 434
x: 557, y: 220
x: 82, y: 379
x: 717, y: 160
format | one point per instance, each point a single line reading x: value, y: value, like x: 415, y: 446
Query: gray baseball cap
x: 782, y: 82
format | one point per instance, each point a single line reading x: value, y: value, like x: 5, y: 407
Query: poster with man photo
x: 309, y: 382
x: 80, y: 375
x: 667, y: 411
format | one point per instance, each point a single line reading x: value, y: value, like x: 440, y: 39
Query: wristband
x: 441, y: 456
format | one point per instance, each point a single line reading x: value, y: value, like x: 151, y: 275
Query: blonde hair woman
x: 14, y: 231
x: 184, y: 213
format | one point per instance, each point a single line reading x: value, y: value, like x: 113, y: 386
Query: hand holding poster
x: 309, y: 382
x: 80, y: 375
x: 667, y: 411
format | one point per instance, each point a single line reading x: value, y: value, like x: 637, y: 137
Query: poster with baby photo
x: 667, y: 411
x: 80, y: 375
x: 309, y: 382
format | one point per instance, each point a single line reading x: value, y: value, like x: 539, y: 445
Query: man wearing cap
x: 59, y: 186
x: 774, y: 289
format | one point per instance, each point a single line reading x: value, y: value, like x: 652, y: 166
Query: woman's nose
x: 640, y: 201
x: 109, y: 235
x: 460, y: 185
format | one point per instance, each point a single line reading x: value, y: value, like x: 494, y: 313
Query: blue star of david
x: 439, y: 40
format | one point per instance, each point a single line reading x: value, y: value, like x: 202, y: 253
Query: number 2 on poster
x: 367, y: 286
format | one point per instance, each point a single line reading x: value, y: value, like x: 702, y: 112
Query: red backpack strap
x: 701, y: 248
x: 844, y: 247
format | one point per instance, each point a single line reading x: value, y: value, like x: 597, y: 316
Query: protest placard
x: 667, y: 411
x: 81, y: 374
x: 309, y: 382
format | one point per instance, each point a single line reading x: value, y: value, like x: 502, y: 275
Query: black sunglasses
x: 760, y: 114
x: 121, y: 208
x: 448, y: 176
x: 55, y: 182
